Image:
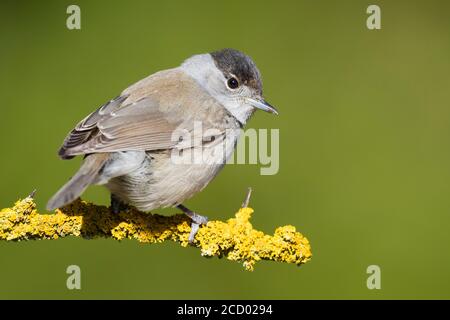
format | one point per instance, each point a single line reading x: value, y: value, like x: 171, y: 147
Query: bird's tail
x: 86, y: 175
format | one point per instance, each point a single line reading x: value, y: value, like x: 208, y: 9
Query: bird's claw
x: 197, y: 220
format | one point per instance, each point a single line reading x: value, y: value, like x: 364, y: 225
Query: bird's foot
x: 117, y: 205
x: 197, y: 220
x: 195, y: 225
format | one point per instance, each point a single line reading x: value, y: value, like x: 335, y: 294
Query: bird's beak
x: 263, y: 105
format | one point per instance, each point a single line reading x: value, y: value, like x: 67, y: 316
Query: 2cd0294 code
x: 238, y: 309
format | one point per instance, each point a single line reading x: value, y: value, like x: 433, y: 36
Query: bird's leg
x: 117, y: 205
x: 197, y: 220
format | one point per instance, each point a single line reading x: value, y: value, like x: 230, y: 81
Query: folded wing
x: 142, y: 118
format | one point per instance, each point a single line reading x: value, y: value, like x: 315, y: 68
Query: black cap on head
x: 233, y: 62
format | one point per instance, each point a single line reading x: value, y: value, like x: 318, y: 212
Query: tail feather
x: 85, y: 176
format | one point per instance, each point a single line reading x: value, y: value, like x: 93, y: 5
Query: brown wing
x: 87, y: 127
x: 144, y: 117
x: 136, y: 126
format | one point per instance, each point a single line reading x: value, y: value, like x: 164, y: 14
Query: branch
x: 234, y: 239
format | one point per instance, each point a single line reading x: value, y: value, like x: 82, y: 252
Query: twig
x: 32, y: 194
x: 234, y: 239
x: 247, y: 198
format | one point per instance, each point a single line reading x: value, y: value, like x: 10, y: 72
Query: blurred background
x: 364, y: 143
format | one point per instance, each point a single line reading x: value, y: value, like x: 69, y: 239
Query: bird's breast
x: 169, y: 177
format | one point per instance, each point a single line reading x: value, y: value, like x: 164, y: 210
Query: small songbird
x: 129, y: 143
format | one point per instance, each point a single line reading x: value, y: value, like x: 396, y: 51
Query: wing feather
x: 142, y: 118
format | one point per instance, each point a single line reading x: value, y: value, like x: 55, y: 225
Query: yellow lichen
x: 234, y: 239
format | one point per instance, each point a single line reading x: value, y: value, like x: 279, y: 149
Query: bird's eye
x: 232, y: 83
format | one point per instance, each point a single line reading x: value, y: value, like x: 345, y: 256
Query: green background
x: 364, y: 152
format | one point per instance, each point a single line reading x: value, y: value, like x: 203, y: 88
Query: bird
x: 141, y: 144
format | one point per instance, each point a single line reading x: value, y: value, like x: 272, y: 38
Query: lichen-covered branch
x: 235, y: 239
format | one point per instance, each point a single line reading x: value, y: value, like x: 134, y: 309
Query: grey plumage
x: 129, y: 142
x: 86, y: 175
